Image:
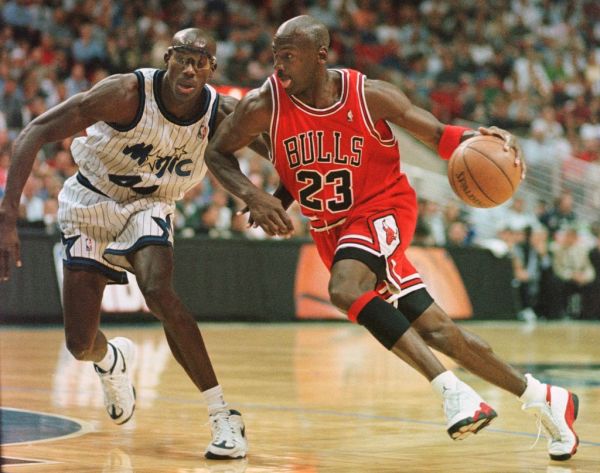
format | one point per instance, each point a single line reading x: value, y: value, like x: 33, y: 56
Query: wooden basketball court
x: 315, y: 398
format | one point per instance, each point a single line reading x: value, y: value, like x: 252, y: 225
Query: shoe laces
x: 116, y: 385
x: 222, y: 428
x: 546, y: 422
x: 540, y: 426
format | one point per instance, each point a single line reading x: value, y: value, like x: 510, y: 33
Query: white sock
x: 106, y: 364
x: 214, y: 399
x: 534, y: 392
x: 443, y: 382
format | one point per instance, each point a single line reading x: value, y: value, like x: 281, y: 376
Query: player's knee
x: 343, y: 295
x: 344, y: 289
x: 80, y: 348
x: 437, y: 328
x: 157, y: 297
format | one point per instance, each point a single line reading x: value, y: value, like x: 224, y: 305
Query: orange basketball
x: 482, y: 173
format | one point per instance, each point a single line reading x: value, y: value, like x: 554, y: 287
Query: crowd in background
x: 529, y: 66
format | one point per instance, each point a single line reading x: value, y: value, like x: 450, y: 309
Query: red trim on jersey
x: 450, y: 140
x: 274, y: 116
x: 359, y: 304
x: 364, y: 109
x: 321, y: 112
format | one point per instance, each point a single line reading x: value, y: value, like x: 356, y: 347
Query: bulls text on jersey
x: 311, y: 147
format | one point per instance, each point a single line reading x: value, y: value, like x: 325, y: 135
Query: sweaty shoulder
x: 114, y: 99
x: 384, y: 100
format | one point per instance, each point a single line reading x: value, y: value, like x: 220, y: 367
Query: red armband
x: 450, y: 140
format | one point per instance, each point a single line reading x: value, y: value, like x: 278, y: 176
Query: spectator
x: 457, y: 235
x: 573, y: 267
x: 88, y: 49
x: 31, y: 212
x: 591, y: 300
x: 77, y: 81
x: 532, y: 267
x: 560, y: 215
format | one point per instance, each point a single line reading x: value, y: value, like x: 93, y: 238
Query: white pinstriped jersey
x: 157, y: 156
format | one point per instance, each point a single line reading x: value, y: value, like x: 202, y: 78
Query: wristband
x: 450, y: 140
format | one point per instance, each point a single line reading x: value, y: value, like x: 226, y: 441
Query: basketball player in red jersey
x: 335, y: 153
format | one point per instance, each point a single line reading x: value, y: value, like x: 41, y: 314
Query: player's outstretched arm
x: 387, y: 102
x: 113, y: 100
x: 250, y: 119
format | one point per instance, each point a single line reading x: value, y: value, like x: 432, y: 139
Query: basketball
x: 482, y: 174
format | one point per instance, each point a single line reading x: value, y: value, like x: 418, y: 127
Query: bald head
x: 194, y: 40
x: 304, y: 28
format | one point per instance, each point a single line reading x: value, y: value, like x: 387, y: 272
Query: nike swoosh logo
x: 124, y: 364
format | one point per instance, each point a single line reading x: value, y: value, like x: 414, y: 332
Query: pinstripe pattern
x: 129, y: 179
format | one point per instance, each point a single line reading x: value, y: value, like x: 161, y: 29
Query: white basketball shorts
x: 98, y: 233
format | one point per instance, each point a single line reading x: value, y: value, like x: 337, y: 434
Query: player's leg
x: 153, y: 266
x: 82, y: 297
x: 468, y: 349
x: 351, y: 280
x: 555, y: 406
x: 351, y: 289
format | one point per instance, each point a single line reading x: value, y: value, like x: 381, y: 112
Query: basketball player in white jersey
x: 146, y: 133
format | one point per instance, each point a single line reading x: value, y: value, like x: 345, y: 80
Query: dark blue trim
x: 117, y: 277
x: 142, y: 242
x: 213, y: 117
x: 140, y: 108
x: 204, y: 99
x: 85, y: 182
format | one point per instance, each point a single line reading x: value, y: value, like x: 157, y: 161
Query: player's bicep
x: 111, y: 100
x: 387, y: 102
x: 248, y: 121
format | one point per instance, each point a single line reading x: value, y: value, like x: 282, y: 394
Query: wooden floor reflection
x: 316, y: 398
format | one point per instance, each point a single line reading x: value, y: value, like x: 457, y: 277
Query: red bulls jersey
x: 335, y: 161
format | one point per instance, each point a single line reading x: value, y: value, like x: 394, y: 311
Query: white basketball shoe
x: 119, y: 393
x: 466, y: 412
x: 228, y: 436
x: 557, y: 414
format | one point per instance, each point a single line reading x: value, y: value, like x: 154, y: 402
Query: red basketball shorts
x: 378, y: 240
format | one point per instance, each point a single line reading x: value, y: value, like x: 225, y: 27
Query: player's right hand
x: 267, y: 212
x: 10, y: 247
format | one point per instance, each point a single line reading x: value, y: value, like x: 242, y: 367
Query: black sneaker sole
x: 213, y: 456
x: 458, y: 431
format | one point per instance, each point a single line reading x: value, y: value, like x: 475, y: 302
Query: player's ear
x: 167, y: 55
x: 322, y: 54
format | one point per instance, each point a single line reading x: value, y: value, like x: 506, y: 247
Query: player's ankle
x: 444, y: 381
x: 534, y: 392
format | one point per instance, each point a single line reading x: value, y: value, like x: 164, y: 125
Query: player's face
x: 188, y: 71
x: 295, y: 65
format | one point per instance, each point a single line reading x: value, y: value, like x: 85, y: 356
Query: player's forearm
x: 25, y: 149
x: 226, y: 168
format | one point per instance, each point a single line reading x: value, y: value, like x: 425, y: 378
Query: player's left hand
x: 510, y: 142
x: 268, y: 213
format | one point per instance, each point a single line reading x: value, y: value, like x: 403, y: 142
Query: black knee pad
x: 414, y: 304
x: 386, y: 323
